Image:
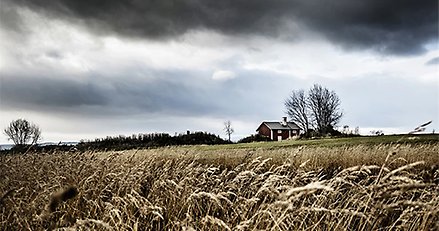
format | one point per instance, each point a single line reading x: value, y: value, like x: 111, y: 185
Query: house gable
x: 264, y: 130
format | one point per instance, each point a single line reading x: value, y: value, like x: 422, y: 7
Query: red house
x: 281, y: 130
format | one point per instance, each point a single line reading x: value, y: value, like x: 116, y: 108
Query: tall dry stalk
x: 344, y: 188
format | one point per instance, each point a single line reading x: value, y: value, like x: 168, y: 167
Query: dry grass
x: 381, y: 187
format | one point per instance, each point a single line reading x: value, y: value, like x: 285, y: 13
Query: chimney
x: 284, y: 121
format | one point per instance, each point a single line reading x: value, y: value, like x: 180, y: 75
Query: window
x: 279, y: 131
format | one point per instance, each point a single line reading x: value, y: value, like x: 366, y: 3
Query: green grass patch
x: 333, y: 142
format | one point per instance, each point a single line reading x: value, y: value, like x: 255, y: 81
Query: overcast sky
x: 86, y: 69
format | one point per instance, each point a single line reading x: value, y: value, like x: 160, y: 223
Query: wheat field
x: 379, y: 187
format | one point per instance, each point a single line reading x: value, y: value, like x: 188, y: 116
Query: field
x: 387, y: 183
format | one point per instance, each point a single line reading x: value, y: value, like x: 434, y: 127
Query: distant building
x: 281, y: 130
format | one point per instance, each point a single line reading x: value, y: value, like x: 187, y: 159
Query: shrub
x: 254, y: 138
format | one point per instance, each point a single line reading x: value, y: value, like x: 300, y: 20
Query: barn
x: 279, y: 130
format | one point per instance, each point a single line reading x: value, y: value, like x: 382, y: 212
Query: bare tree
x: 297, y: 109
x: 228, y: 128
x: 23, y: 132
x: 357, y: 130
x: 325, y: 107
x: 318, y: 108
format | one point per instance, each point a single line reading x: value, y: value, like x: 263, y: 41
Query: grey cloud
x: 433, y: 61
x: 114, y: 95
x: 172, y: 93
x: 389, y: 27
x: 10, y: 19
x: 54, y: 54
x: 164, y: 95
x: 47, y: 92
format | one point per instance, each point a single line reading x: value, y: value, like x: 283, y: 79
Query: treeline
x: 37, y: 148
x: 152, y: 140
x: 121, y: 142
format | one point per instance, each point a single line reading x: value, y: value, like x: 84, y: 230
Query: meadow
x: 334, y: 184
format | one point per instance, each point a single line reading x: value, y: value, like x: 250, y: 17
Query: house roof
x: 279, y: 126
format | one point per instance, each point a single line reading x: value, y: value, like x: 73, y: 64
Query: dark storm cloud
x: 398, y: 27
x: 395, y: 27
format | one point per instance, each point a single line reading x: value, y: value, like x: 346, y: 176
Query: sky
x: 97, y: 68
